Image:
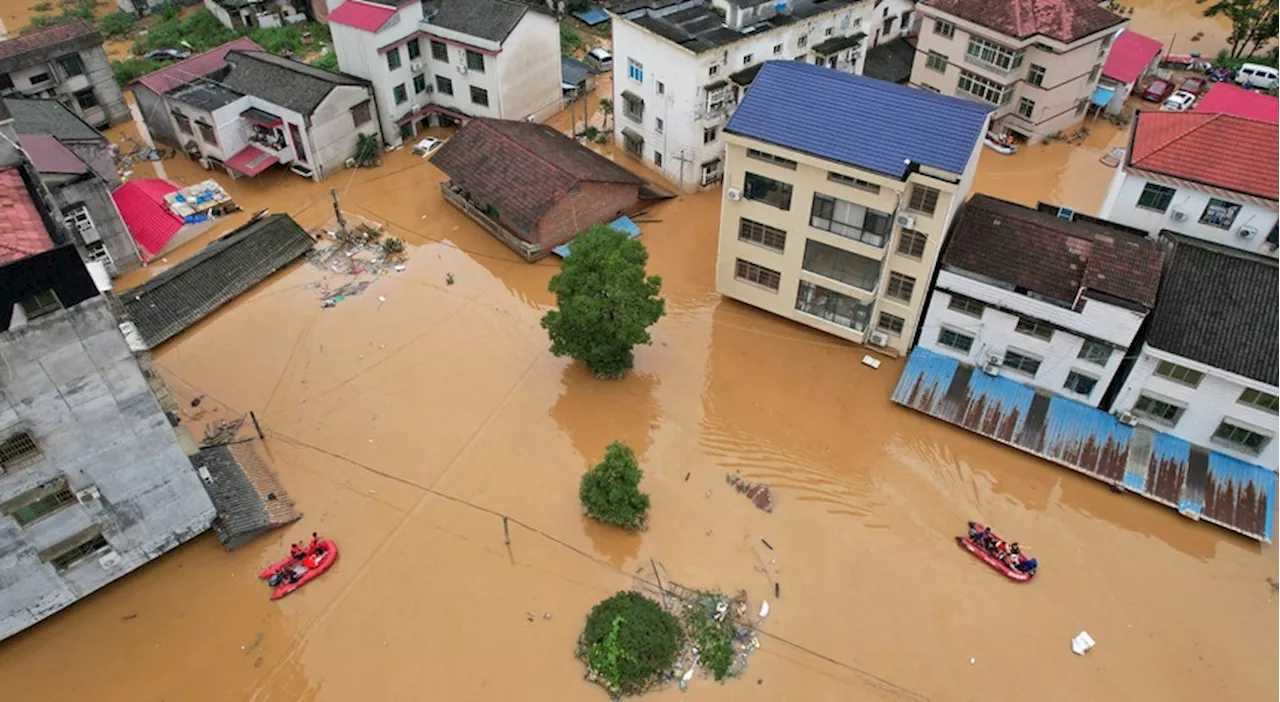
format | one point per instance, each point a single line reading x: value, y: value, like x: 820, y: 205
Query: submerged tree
x: 610, y: 492
x: 629, y: 643
x: 1253, y: 23
x: 606, y: 109
x: 605, y: 303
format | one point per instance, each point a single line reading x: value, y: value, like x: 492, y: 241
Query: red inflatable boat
x: 969, y: 544
x: 305, y: 569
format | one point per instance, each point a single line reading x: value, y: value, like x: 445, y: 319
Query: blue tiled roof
x: 865, y: 122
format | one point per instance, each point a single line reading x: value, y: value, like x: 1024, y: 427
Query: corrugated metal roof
x: 143, y: 209
x: 361, y: 15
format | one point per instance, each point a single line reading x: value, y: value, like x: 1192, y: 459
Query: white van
x: 1257, y: 75
x: 600, y: 60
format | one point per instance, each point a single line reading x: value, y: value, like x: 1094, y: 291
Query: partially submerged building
x: 149, y: 90
x: 1133, y: 57
x: 65, y: 62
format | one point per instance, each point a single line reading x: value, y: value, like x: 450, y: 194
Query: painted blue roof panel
x: 592, y: 15
x: 869, y: 123
x: 622, y: 224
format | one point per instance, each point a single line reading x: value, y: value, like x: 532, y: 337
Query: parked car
x: 426, y: 146
x: 1157, y: 91
x: 599, y: 60
x: 168, y: 55
x: 1180, y: 101
x: 1195, y: 86
x: 1257, y: 76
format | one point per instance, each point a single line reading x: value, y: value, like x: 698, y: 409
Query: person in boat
x: 296, y: 551
x: 1027, y: 565
x: 315, y: 542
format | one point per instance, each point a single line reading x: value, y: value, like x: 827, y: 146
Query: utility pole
x: 683, y: 160
x: 573, y: 129
x: 337, y: 210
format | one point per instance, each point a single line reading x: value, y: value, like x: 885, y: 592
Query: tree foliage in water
x: 610, y: 492
x: 629, y: 643
x: 605, y: 302
x: 1253, y: 23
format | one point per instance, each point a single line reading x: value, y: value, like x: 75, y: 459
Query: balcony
x: 993, y: 58
x: 841, y: 266
x: 266, y: 131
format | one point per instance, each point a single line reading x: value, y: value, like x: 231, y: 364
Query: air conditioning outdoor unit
x: 462, y: 69
x: 1128, y: 418
x: 88, y: 494
x: 1178, y: 215
x: 906, y: 221
x: 878, y: 339
x: 733, y: 194
x: 1247, y: 232
x: 416, y: 67
x: 413, y: 109
x: 992, y: 366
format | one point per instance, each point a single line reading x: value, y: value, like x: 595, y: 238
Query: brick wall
x: 594, y: 203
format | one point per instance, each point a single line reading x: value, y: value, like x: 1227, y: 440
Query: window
x: 362, y: 113
x: 97, y: 251
x: 888, y: 24
x: 1034, y: 327
x: 1095, y: 352
x: 393, y: 59
x: 924, y: 199
x: 184, y: 124
x: 1080, y: 383
x: 775, y: 160
x: 657, y: 125
x: 832, y: 306
x: 475, y: 61
x: 662, y: 88
x: 632, y: 106
x: 444, y: 85
x: 71, y: 65
x: 930, y: 88
x: 983, y: 89
x: 767, y: 190
x: 1093, y: 74
x: 78, y: 552
x: 1156, y: 197
x: 86, y: 99
x: 944, y: 28
x: 999, y: 57
x: 849, y: 220
x: 1026, y: 108
x: 827, y: 32
x: 632, y: 142
x: 39, y: 78
x: 746, y: 59
x: 657, y: 159
x: 1021, y: 363
x: 6, y: 81
x: 1081, y: 105
x: 1219, y: 213
x: 439, y: 51
x: 1160, y: 411
x: 1261, y: 400
x: 936, y: 62
x: 804, y: 39
x: 1179, y: 374
x: 713, y: 70
x: 415, y: 49
x: 711, y: 171
x: 955, y: 340
x: 1035, y: 75
x: 759, y: 275
x: 207, y: 133
x: 17, y: 449
x: 967, y: 305
x: 77, y: 219
x: 42, y: 501
x: 1239, y: 438
x: 840, y: 265
x: 479, y: 96
x: 911, y: 243
x: 763, y: 234
x: 906, y: 20
x: 891, y: 324
x: 419, y: 84
x: 400, y: 95
x: 900, y: 287
x: 854, y: 182
x: 777, y: 49
x: 708, y: 135
x: 635, y: 70
x: 1103, y: 45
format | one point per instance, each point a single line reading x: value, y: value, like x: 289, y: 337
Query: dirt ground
x: 406, y: 428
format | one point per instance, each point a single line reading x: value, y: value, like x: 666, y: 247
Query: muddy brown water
x: 404, y: 428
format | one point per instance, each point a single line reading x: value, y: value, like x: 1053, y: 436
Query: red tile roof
x: 523, y: 169
x: 143, y: 209
x: 22, y: 232
x: 361, y: 15
x: 198, y: 66
x: 50, y: 156
x: 1130, y: 56
x: 1234, y: 100
x: 1054, y: 257
x: 1064, y: 20
x: 1220, y: 150
x: 49, y: 36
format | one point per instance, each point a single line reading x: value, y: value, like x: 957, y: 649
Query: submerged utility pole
x: 337, y: 211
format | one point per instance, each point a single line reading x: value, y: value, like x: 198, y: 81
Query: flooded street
x: 405, y: 429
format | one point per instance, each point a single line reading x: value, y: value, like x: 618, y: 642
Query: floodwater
x: 404, y: 429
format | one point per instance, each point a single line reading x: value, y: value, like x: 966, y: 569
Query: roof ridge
x: 489, y: 123
x: 1178, y: 137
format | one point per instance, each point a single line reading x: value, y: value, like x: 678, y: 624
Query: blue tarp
x: 1102, y: 95
x: 622, y: 224
x: 592, y: 15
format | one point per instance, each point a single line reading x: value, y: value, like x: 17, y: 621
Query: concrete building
x: 1037, y: 62
x: 262, y: 110
x: 445, y: 61
x: 244, y: 14
x: 681, y: 68
x: 1207, y: 372
x: 839, y: 191
x: 93, y: 480
x: 530, y: 186
x: 1044, y: 300
x: 1208, y: 176
x: 149, y: 90
x: 65, y: 62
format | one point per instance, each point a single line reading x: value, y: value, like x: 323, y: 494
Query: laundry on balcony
x: 261, y: 118
x: 251, y: 161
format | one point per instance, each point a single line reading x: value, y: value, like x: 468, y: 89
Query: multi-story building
x: 445, y: 61
x: 1207, y: 176
x: 93, y: 480
x: 1050, y: 302
x: 65, y: 62
x: 1037, y: 62
x: 839, y: 191
x: 680, y: 69
x: 1208, y: 369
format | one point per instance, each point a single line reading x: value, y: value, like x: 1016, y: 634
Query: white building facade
x: 672, y: 99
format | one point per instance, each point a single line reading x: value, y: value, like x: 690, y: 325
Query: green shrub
x: 392, y: 245
x: 610, y: 492
x: 131, y: 69
x: 327, y: 61
x: 117, y: 24
x: 41, y: 7
x: 629, y: 643
x: 569, y: 40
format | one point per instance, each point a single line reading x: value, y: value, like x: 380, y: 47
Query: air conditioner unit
x: 462, y: 69
x: 1178, y: 215
x: 413, y: 109
x: 733, y: 194
x: 878, y: 339
x: 88, y: 494
x: 906, y: 221
x: 992, y: 366
x: 1247, y: 232
x: 1066, y: 213
x: 416, y: 67
x: 1128, y: 418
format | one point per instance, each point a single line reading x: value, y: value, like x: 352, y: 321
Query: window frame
x: 65, y: 560
x: 926, y: 192
x: 786, y: 189
x: 18, y: 449
x: 944, y: 28
x: 1036, y: 74
x: 439, y: 50
x: 852, y: 182
x: 413, y: 47
x: 419, y: 84
x: 1154, y: 403
x: 898, y: 284
x: 984, y: 89
x: 891, y: 324
x: 1260, y: 400
x: 635, y: 70
x: 1026, y: 108
x: 770, y: 158
x: 208, y: 133
x: 743, y: 271
x: 1073, y: 373
x: 475, y: 61
x: 1034, y: 328
x: 761, y: 234
x: 955, y: 336
x: 995, y: 55
x: 1087, y: 354
x: 56, y: 497
x: 72, y: 57
x: 445, y: 87
x: 80, y: 96
x: 1230, y: 442
x: 1159, y: 193
x: 1171, y: 371
x: 824, y: 208
x: 1233, y: 208
x: 908, y: 240
x: 709, y: 134
x: 1024, y: 359
x: 393, y: 59
x: 479, y: 92
x: 936, y: 61
x: 964, y: 304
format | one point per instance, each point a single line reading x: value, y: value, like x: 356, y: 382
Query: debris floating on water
x: 871, y: 362
x: 1082, y: 642
x: 759, y: 493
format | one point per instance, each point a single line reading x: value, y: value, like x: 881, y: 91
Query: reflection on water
x: 582, y: 411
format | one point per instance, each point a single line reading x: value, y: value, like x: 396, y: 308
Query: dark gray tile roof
x: 836, y: 44
x: 890, y: 61
x: 700, y: 28
x: 1218, y: 306
x: 573, y: 71
x: 205, y: 95
x: 49, y: 117
x: 285, y: 82
x: 248, y: 497
x: 186, y: 293
x: 487, y: 19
